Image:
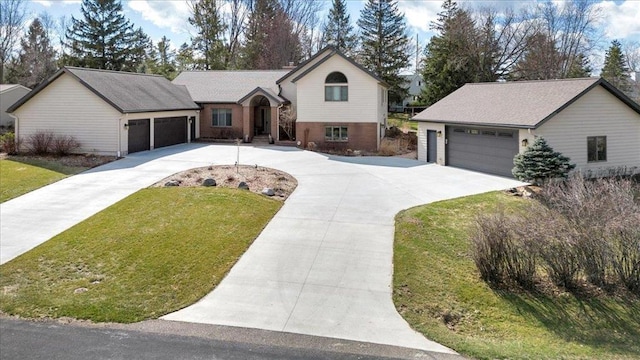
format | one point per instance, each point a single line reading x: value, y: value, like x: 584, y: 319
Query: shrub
x: 64, y: 144
x: 39, y: 143
x: 9, y: 143
x: 539, y: 162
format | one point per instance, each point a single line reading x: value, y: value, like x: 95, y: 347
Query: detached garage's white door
x: 484, y: 150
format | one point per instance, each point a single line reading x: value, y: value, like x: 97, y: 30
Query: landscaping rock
x: 80, y: 290
x: 268, y: 192
x: 243, y: 185
x: 172, y: 183
x: 209, y: 182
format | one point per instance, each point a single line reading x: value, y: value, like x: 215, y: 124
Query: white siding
x: 66, y: 107
x: 363, y: 100
x: 422, y: 141
x: 597, y: 113
x: 288, y: 89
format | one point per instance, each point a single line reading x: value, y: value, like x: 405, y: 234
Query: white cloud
x: 45, y: 3
x: 168, y: 14
x: 621, y: 20
x: 420, y: 14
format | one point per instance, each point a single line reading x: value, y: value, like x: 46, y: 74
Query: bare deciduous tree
x: 288, y: 118
x: 12, y: 17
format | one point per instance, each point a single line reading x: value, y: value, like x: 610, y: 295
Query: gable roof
x: 519, y: 104
x: 126, y: 92
x: 226, y: 86
x: 330, y: 51
x: 270, y: 94
x: 10, y: 87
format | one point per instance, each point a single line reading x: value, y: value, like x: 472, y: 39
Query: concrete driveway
x: 322, y: 266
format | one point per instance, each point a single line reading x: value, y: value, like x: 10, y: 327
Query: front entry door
x: 265, y: 115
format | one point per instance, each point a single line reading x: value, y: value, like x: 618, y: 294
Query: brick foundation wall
x: 362, y: 136
x: 210, y: 132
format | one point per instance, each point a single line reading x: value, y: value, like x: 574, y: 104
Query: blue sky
x: 621, y: 19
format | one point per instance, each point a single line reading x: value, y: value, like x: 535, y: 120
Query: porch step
x: 260, y: 140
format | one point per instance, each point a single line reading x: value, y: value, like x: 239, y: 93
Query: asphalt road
x: 50, y: 340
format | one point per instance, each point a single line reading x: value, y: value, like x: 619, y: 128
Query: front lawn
x: 402, y: 122
x: 155, y: 252
x: 437, y: 289
x: 22, y: 174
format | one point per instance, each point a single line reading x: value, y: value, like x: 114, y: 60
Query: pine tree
x: 539, y: 162
x: 615, y: 69
x: 385, y: 44
x: 542, y: 60
x: 103, y: 38
x: 448, y: 62
x: 338, y: 31
x: 36, y: 60
x: 580, y: 67
x: 184, y: 58
x: 166, y: 59
x: 206, y: 17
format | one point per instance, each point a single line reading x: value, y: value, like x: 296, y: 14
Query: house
x: 108, y: 112
x: 9, y: 94
x: 414, y: 85
x: 335, y: 101
x: 483, y: 126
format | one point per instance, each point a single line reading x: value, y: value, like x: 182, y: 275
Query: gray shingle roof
x: 227, y: 86
x: 126, y: 92
x: 522, y: 104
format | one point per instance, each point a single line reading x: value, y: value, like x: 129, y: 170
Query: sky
x: 621, y: 18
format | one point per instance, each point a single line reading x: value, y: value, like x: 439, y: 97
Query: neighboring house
x: 414, y: 86
x: 108, y: 112
x: 338, y: 103
x: 9, y: 94
x: 483, y: 126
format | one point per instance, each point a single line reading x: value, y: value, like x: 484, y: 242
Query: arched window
x: 336, y: 87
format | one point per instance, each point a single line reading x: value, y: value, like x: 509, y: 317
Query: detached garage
x: 481, y: 127
x: 108, y: 112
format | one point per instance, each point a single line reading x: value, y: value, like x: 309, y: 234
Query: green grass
x: 435, y: 279
x: 18, y: 178
x: 155, y: 252
x: 402, y: 121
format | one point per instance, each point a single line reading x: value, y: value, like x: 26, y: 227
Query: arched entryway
x: 261, y: 108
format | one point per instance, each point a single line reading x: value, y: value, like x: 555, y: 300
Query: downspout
x: 278, y: 121
x: 16, y: 134
x: 120, y: 127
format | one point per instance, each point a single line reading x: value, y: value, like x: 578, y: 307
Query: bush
x: 9, y: 143
x: 579, y: 230
x: 539, y: 163
x: 39, y: 143
x: 45, y: 142
x: 64, y: 144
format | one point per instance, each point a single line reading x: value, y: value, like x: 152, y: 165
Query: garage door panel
x: 485, y: 150
x: 170, y: 131
x: 139, y: 135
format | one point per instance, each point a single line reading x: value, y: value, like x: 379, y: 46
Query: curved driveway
x: 322, y: 266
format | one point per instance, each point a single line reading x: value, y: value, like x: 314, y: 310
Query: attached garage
x: 487, y: 150
x: 108, y: 112
x: 169, y: 131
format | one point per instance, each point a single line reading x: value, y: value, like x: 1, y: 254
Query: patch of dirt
x: 76, y: 160
x: 256, y: 177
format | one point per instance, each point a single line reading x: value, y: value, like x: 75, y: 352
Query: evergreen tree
x: 385, y: 44
x: 36, y: 60
x: 539, y: 162
x: 580, y: 67
x: 166, y: 64
x: 615, y: 68
x: 103, y: 38
x: 449, y: 63
x: 541, y: 61
x: 184, y: 58
x: 338, y: 31
x: 206, y: 17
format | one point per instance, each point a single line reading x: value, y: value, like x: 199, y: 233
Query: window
x: 336, y: 133
x: 338, y: 89
x: 220, y: 117
x: 596, y: 148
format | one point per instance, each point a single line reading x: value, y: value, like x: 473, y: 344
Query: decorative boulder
x: 172, y: 183
x: 243, y: 185
x: 209, y: 182
x: 268, y: 192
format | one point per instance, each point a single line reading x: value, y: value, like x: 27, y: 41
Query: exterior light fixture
x: 524, y: 142
x: 126, y: 126
x: 439, y: 133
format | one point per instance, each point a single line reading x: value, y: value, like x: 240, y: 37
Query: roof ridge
x: 110, y: 71
x: 593, y: 78
x: 227, y: 71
